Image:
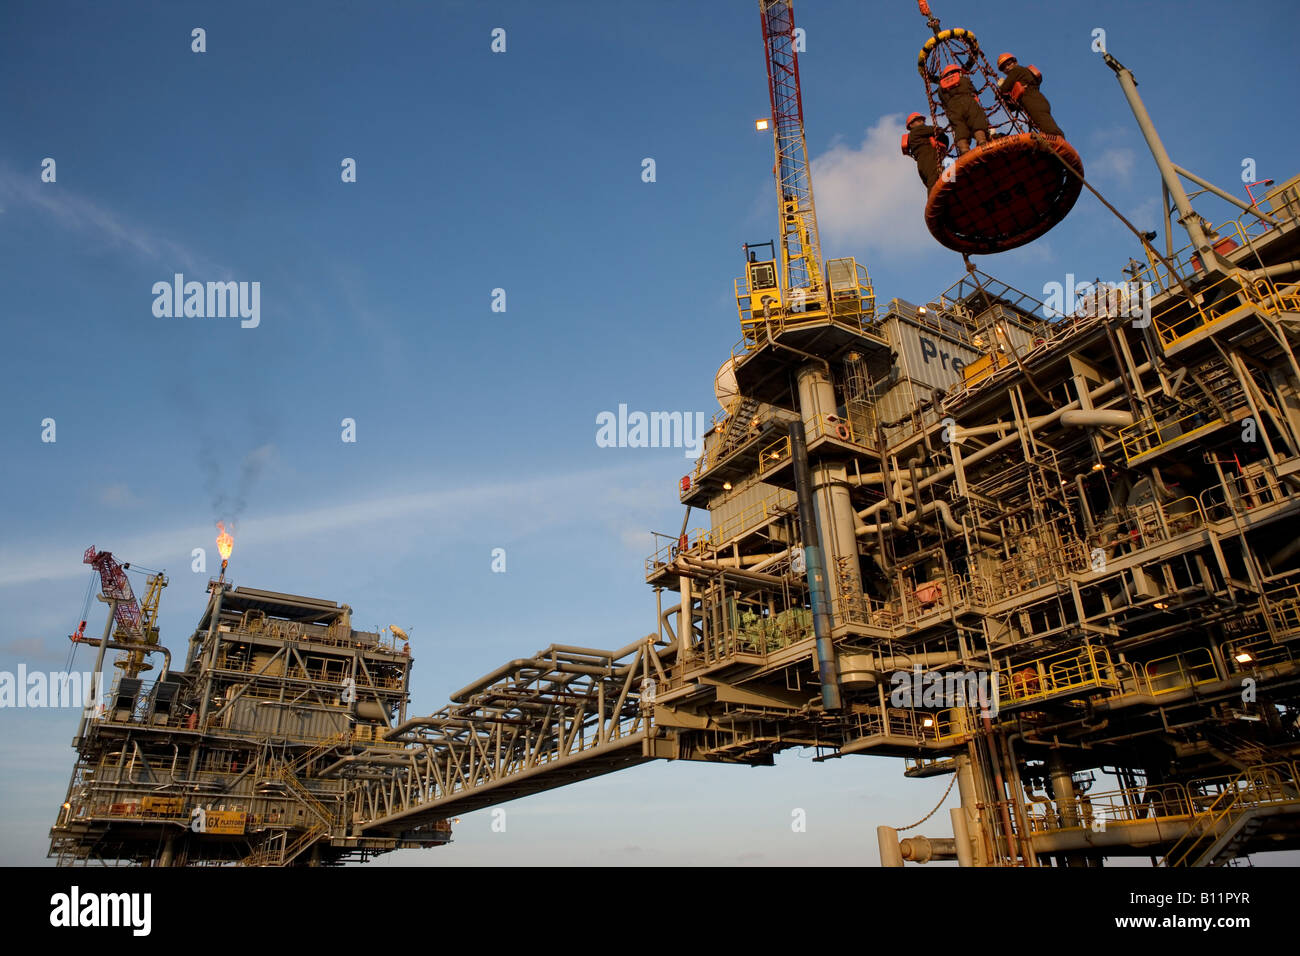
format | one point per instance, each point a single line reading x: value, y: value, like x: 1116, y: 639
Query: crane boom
x: 116, y: 586
x: 800, y: 245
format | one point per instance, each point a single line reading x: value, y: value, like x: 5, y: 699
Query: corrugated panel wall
x: 722, y: 515
x: 927, y: 355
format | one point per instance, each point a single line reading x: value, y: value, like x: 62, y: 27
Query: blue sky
x: 476, y: 429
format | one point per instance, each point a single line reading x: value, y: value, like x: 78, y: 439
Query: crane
x: 794, y: 286
x: 801, y: 254
x: 136, y: 625
x: 116, y: 587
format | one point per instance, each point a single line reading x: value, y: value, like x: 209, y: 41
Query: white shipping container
x: 929, y: 354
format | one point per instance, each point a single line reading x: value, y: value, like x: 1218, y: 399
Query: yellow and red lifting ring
x: 954, y: 33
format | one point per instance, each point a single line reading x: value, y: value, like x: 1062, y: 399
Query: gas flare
x: 225, y: 543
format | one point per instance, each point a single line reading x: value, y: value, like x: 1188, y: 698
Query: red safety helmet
x: 1004, y: 59
x: 912, y: 118
x: 950, y: 68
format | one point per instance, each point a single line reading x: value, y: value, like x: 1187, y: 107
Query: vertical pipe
x: 1084, y: 510
x: 685, y: 626
x: 96, y: 675
x: 969, y: 790
x: 834, y: 509
x: 961, y: 834
x: 958, y: 467
x: 211, y: 655
x: 817, y: 589
x: 1000, y: 791
x: 1063, y: 789
x: 839, y: 540
x: 168, y: 854
x: 1133, y: 405
x: 1018, y: 803
x: 890, y: 854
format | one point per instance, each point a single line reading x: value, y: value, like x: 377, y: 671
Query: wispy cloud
x: 1115, y: 164
x: 74, y: 212
x: 536, y: 502
x: 118, y: 495
x: 869, y: 196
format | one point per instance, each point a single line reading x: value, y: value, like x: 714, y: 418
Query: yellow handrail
x: 1253, y: 787
x: 1064, y: 671
x: 1135, y: 438
x: 774, y: 455
x: 1189, y: 672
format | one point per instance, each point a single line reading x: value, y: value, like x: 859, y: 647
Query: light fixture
x: 726, y: 486
x: 920, y: 310
x: 764, y: 123
x: 1242, y: 657
x: 1161, y: 606
x: 928, y: 722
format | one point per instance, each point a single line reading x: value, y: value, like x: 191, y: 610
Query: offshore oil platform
x: 1046, y: 549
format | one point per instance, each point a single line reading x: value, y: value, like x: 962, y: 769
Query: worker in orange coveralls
x: 926, y: 145
x: 962, y: 107
x: 1020, y: 87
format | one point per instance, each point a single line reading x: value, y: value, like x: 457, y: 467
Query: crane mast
x: 800, y: 246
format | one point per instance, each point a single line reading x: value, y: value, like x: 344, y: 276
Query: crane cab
x: 758, y: 291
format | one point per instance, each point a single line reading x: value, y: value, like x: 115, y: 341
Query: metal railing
x: 1268, y: 784
x: 1125, y: 805
x: 1243, y: 493
x: 938, y: 726
x: 1245, y: 654
x: 1147, y: 435
x: 774, y: 455
x: 1060, y: 673
x: 750, y: 518
x: 1175, y: 672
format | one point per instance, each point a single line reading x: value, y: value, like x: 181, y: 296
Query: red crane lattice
x: 794, y: 196
x: 116, y: 587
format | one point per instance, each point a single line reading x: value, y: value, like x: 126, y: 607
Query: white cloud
x: 869, y: 195
x: 1115, y: 163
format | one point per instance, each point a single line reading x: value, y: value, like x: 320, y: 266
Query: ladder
x: 739, y: 422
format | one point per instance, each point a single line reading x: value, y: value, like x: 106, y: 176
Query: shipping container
x: 929, y: 354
